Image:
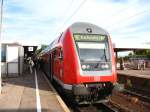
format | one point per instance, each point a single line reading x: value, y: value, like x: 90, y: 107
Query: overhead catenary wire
x: 70, y: 4
x: 82, y: 3
x: 121, y: 10
x: 128, y: 18
x: 76, y: 10
x: 68, y: 7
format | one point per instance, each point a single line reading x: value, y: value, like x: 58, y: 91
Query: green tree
x: 142, y: 52
x: 43, y: 46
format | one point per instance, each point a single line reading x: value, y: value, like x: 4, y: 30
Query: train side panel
x: 70, y: 59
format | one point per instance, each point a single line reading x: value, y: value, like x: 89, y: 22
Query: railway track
x: 140, y: 95
x: 98, y: 107
x: 114, y: 107
x: 74, y: 107
x: 107, y: 107
x: 141, y: 91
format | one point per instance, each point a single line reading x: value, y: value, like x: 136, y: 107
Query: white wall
x: 14, y: 59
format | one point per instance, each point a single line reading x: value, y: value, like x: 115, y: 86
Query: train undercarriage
x: 91, y: 92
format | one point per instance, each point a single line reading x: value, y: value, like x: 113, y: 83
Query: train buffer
x: 26, y: 94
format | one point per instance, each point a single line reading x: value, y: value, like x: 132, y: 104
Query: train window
x: 60, y: 54
x: 55, y: 55
x: 93, y: 51
x: 94, y: 55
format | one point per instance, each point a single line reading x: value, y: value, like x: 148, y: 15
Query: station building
x: 13, y: 56
x: 132, y: 47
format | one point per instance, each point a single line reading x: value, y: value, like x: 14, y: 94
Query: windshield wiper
x: 105, y: 56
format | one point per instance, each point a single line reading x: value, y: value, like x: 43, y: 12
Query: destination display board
x: 89, y: 37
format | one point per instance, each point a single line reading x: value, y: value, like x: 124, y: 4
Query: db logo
x: 97, y: 78
x: 89, y: 30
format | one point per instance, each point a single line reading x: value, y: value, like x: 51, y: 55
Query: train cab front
x: 96, y: 65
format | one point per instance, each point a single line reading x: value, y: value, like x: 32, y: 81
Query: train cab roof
x: 76, y: 28
x: 83, y: 27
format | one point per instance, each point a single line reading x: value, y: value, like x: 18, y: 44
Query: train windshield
x: 93, y: 51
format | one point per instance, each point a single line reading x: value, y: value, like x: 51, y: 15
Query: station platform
x: 135, y: 73
x: 21, y: 94
x: 135, y: 79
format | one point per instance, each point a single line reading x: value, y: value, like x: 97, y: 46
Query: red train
x: 82, y: 62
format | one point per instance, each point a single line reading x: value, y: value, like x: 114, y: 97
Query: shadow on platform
x: 22, y: 110
x: 27, y: 80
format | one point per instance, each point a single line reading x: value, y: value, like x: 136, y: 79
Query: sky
x: 41, y: 21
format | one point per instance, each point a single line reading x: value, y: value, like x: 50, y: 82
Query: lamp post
x: 1, y: 14
x: 1, y: 20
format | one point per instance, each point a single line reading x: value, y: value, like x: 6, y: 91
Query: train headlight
x: 104, y: 66
x: 83, y: 66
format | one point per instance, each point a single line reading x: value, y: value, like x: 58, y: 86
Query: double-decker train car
x: 82, y: 62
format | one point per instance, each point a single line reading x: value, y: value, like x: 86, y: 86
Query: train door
x: 54, y: 62
x: 46, y: 64
x: 58, y: 63
x: 51, y: 67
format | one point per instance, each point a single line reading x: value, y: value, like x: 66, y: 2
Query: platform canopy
x: 130, y: 46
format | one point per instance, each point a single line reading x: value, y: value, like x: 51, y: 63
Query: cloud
x: 43, y: 20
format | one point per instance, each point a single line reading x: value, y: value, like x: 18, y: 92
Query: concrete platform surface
x: 19, y: 95
x: 136, y: 73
